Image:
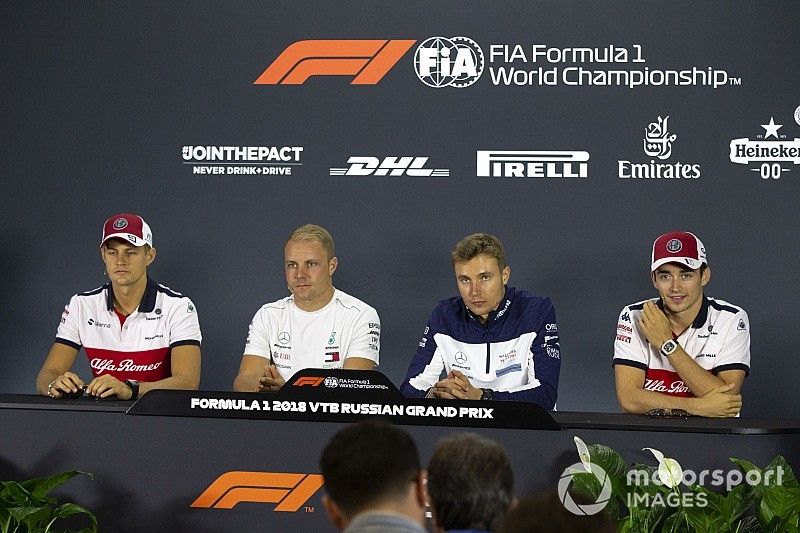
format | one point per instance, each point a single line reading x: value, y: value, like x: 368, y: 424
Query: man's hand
x: 271, y: 381
x: 718, y: 403
x: 455, y: 386
x: 107, y: 385
x: 655, y: 325
x: 63, y: 384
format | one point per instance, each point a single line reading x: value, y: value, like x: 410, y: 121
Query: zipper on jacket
x: 488, y: 355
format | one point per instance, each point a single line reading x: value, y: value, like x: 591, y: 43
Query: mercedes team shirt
x: 294, y: 339
x: 718, y: 339
x: 516, y: 353
x: 139, y: 349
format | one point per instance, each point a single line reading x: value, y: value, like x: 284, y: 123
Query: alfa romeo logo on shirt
x: 461, y: 358
x: 284, y: 337
x: 120, y: 223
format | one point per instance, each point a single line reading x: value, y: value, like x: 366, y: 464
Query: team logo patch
x: 284, y: 337
x: 461, y: 358
x: 120, y: 223
x: 674, y: 245
x: 741, y: 325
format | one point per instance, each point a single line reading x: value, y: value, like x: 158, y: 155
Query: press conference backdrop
x: 624, y: 120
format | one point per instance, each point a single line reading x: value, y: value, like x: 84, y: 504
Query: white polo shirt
x: 295, y: 339
x: 718, y: 339
x: 139, y: 349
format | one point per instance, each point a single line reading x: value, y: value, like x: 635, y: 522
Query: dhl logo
x: 290, y: 491
x: 368, y: 60
x: 308, y: 380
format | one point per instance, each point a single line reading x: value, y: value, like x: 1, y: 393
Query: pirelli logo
x: 532, y: 164
x: 289, y: 491
x: 310, y: 381
x: 366, y: 60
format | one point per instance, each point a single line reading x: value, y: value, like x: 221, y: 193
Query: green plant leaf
x: 676, y: 523
x: 69, y: 509
x: 15, y: 493
x: 41, y: 486
x: 782, y: 502
x: 612, y: 462
x: 31, y: 517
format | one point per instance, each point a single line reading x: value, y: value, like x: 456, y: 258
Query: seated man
x: 373, y: 480
x: 137, y: 334
x: 683, y: 350
x: 492, y: 341
x: 470, y: 484
x: 318, y: 326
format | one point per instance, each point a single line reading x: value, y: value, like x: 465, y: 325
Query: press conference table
x: 152, y: 460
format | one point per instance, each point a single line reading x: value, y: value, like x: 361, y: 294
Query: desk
x: 150, y: 469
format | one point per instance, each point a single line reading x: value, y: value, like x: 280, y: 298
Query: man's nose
x: 475, y: 289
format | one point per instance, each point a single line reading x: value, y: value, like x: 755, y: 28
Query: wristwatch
x: 134, y: 386
x: 668, y: 348
x: 486, y: 394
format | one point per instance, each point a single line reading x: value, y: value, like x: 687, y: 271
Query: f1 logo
x: 367, y: 60
x: 289, y: 491
x: 308, y: 380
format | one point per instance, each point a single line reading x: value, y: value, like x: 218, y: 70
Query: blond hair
x: 476, y: 244
x: 312, y: 232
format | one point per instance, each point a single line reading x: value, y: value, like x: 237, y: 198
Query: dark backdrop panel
x: 99, y: 99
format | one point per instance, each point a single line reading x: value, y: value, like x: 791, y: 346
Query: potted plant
x: 26, y: 507
x: 654, y: 499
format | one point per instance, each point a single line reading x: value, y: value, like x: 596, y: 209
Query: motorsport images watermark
x: 669, y: 474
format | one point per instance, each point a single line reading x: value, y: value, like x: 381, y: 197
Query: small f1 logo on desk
x: 308, y: 380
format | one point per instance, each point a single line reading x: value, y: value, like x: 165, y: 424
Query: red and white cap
x: 131, y: 228
x: 678, y: 247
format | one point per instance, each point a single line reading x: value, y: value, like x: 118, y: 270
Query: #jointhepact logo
x: 658, y: 144
x: 532, y: 164
x: 454, y: 62
x: 263, y: 160
x: 366, y: 60
x: 772, y: 157
x: 586, y: 509
x: 290, y: 491
x: 389, y: 166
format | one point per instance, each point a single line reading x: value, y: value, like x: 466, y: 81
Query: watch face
x: 669, y: 347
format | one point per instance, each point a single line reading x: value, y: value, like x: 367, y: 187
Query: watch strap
x: 134, y: 386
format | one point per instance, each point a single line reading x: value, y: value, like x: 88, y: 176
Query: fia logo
x: 442, y: 62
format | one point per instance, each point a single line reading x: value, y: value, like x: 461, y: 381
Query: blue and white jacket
x: 516, y: 353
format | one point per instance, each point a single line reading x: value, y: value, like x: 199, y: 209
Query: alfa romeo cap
x: 131, y: 228
x: 678, y: 247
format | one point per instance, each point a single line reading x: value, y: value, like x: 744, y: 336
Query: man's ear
x: 421, y: 489
x: 706, y: 276
x: 151, y: 255
x: 332, y: 264
x: 335, y: 514
x: 506, y: 274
